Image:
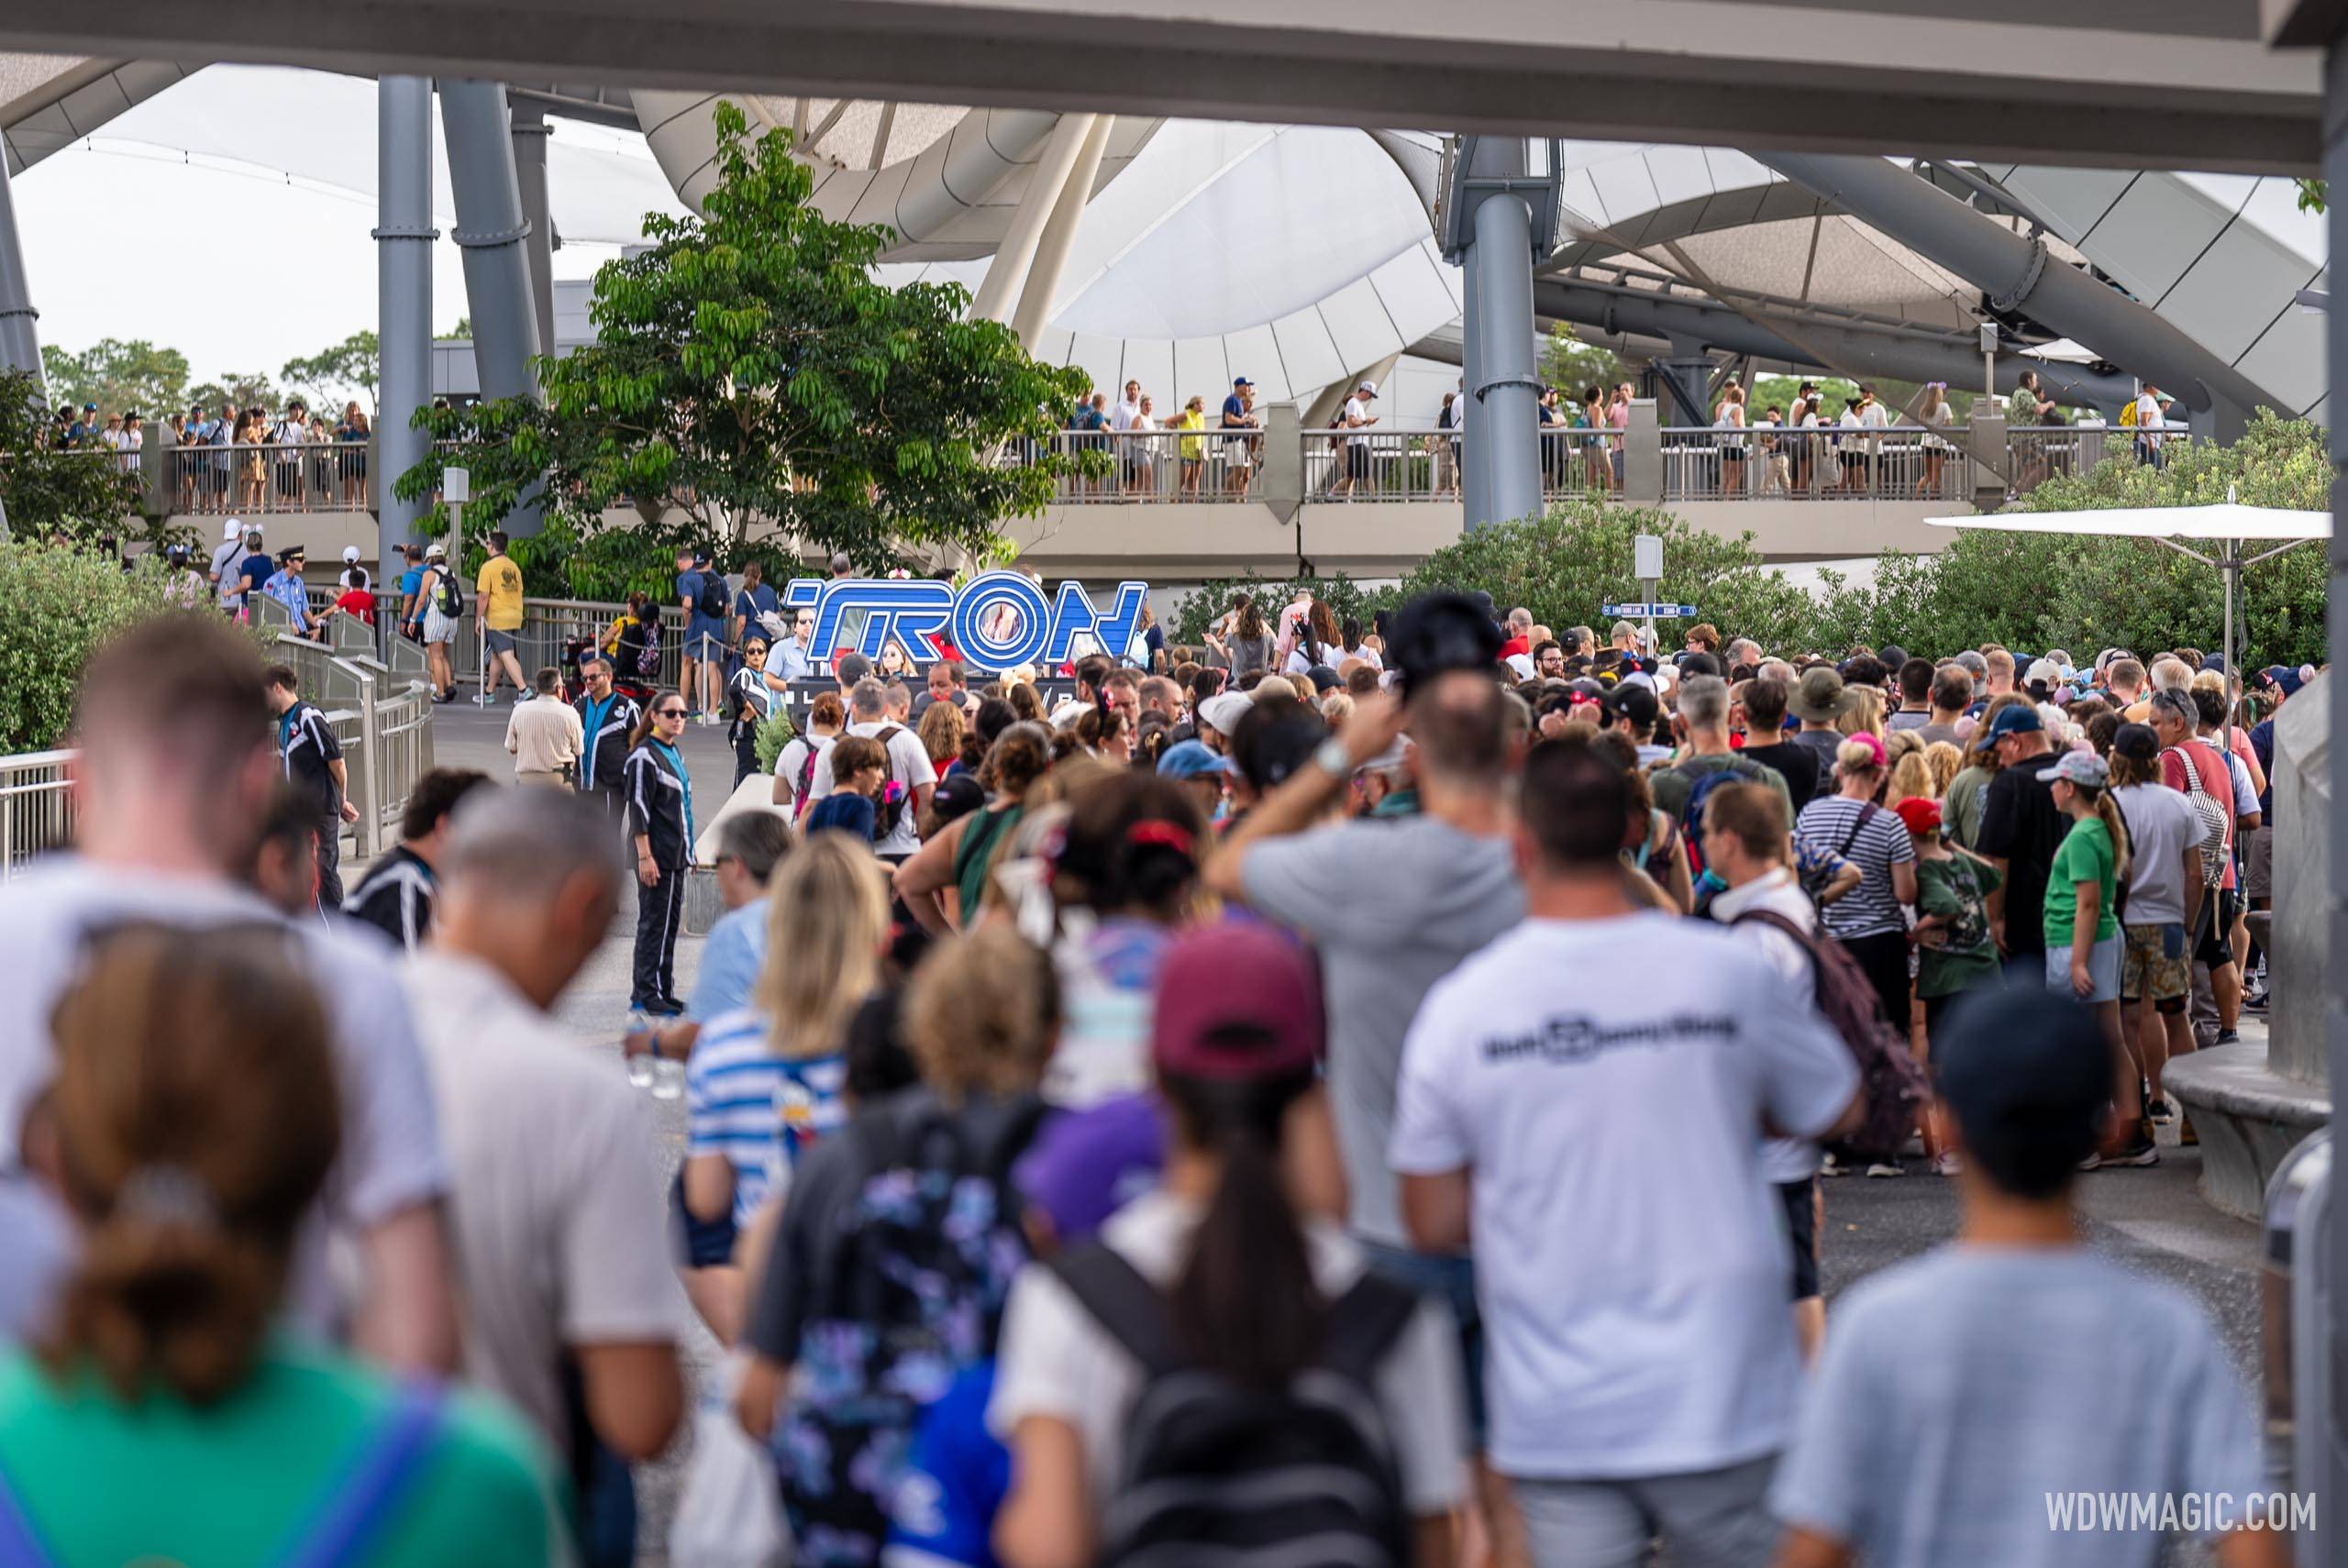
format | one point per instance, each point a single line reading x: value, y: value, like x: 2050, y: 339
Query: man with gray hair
x: 554, y: 1193
x: 1703, y: 734
x: 912, y: 777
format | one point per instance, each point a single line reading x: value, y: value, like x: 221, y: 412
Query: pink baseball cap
x: 1235, y: 1002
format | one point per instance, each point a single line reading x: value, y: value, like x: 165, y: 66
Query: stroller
x: 633, y: 649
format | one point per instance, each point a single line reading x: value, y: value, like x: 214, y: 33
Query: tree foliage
x: 62, y: 604
x: 82, y: 493
x: 119, y: 377
x: 243, y: 388
x: 1573, y: 366
x: 749, y: 368
x: 344, y: 372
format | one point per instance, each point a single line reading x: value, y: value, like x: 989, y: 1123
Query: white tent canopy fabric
x: 2229, y: 520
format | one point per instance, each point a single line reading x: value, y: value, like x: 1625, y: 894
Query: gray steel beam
x: 489, y: 232
x: 19, y: 335
x: 1824, y: 345
x: 2018, y: 275
x: 403, y: 239
x: 530, y: 134
x: 1475, y: 486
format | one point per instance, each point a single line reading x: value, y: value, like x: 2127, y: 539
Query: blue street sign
x: 1659, y: 612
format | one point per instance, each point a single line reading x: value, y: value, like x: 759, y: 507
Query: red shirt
x: 2215, y: 780
x: 1517, y: 645
x: 357, y: 602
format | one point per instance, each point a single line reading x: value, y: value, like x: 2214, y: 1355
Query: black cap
x: 2028, y: 1076
x: 2136, y: 742
x: 1324, y: 678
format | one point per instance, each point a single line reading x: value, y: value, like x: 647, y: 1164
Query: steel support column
x: 1475, y: 487
x: 999, y: 291
x: 1034, y: 311
x: 530, y: 132
x: 2333, y: 1483
x: 403, y: 238
x: 1508, y: 397
x: 19, y: 335
x: 490, y: 231
x: 1687, y: 383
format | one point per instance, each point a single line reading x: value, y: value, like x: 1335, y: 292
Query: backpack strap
x: 1364, y: 1324
x: 1859, y: 826
x: 345, y: 1523
x: 1128, y: 1306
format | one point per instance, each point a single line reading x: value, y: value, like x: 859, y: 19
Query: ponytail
x: 1245, y: 1303
x: 643, y: 731
x: 2107, y: 809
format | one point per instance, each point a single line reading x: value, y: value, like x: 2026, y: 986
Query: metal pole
x: 2334, y: 1481
x: 490, y: 231
x: 403, y: 237
x: 1502, y: 257
x: 19, y: 336
x: 1475, y: 482
x: 530, y: 132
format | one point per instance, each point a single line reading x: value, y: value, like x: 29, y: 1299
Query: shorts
x: 1801, y: 1199
x: 2153, y: 967
x: 439, y: 628
x: 1452, y: 1282
x: 700, y: 1243
x: 1358, y: 461
x: 497, y: 642
x: 1708, y: 1518
x: 2258, y: 875
x: 2212, y: 943
x: 706, y: 639
x: 2103, y: 969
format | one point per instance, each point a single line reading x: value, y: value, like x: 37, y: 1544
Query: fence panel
x: 1705, y: 463
x: 249, y: 480
x: 36, y: 807
x: 1160, y: 465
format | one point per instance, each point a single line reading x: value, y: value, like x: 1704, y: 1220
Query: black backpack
x: 911, y: 1296
x: 1304, y: 1476
x: 449, y: 595
x: 711, y: 604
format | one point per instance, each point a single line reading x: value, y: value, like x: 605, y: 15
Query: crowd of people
x: 1332, y: 1094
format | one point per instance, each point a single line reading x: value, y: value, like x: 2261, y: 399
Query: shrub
x: 62, y: 604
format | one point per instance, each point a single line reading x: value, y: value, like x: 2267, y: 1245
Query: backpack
x: 1691, y: 815
x: 447, y: 595
x: 710, y: 603
x: 2213, y: 820
x: 1892, y: 1083
x: 909, y: 1295
x: 1214, y: 1473
x: 799, y: 801
x: 2128, y: 415
x: 890, y: 809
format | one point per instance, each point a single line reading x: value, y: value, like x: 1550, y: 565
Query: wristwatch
x: 1332, y: 758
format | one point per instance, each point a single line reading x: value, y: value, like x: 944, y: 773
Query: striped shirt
x: 1870, y: 909
x: 756, y: 1109
x: 395, y: 897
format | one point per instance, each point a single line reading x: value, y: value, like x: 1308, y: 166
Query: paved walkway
x: 2151, y: 1220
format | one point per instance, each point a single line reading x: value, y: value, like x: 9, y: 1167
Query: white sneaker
x: 1885, y: 1168
x: 1946, y: 1164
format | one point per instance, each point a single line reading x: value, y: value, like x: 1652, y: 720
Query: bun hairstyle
x: 1021, y: 755
x: 1855, y: 756
x: 1130, y: 845
x: 197, y: 1115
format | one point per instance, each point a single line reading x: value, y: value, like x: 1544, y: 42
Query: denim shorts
x: 2103, y: 968
x: 1452, y: 1281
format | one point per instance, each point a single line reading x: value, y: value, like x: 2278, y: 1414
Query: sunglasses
x: 669, y: 713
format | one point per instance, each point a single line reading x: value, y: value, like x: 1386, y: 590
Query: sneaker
x: 1946, y: 1164
x: 2255, y: 1001
x: 2160, y: 1111
x: 2229, y: 1037
x: 2141, y: 1153
x: 661, y: 1007
x: 1828, y: 1166
x: 2091, y: 1163
x: 1885, y: 1168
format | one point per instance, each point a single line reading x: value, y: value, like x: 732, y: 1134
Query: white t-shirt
x: 1053, y: 1360
x: 2161, y: 824
x: 390, y: 1151
x: 1782, y: 1159
x: 561, y: 1233
x: 1356, y: 409
x: 1635, y: 1304
x: 1123, y: 416
x: 791, y: 761
x: 909, y: 764
x: 2148, y: 411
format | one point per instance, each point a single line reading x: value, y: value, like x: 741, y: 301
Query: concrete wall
x: 2296, y: 1046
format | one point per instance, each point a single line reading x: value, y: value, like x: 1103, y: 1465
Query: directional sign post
x: 1647, y: 611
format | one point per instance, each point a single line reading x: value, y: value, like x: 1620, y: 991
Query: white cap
x: 232, y: 529
x: 351, y: 553
x: 2042, y: 670
x: 1370, y: 387
x: 1225, y: 710
x: 436, y: 552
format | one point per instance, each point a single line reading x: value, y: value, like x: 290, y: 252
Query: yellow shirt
x: 1193, y: 449
x: 500, y: 589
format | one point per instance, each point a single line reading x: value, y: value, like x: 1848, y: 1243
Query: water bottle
x: 642, y: 1067
x: 668, y: 1078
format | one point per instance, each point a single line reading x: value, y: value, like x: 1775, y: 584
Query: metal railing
x: 2037, y: 453
x: 270, y: 477
x: 1213, y: 464
x: 36, y: 807
x: 1704, y: 463
x: 1417, y: 464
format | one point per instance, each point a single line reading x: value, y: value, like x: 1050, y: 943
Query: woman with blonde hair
x: 1865, y: 716
x: 189, y: 1132
x: 766, y: 1081
x: 1944, y: 761
x: 1911, y: 775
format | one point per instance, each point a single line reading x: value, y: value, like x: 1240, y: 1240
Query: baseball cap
x: 350, y: 553
x: 1236, y: 1002
x: 1191, y: 760
x: 2078, y: 767
x: 1225, y: 709
x: 1922, y: 815
x: 2020, y: 719
x: 1084, y: 1165
x: 1241, y: 382
x: 436, y: 552
x: 89, y: 408
x: 1324, y: 679
x: 1370, y: 387
x: 231, y: 529
x: 958, y: 795
x: 2137, y: 742
x: 2284, y: 677
x: 2028, y: 1076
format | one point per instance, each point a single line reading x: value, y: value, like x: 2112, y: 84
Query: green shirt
x: 1962, y: 811
x: 1670, y: 787
x: 2085, y: 856
x: 1958, y: 890
x: 104, y: 1483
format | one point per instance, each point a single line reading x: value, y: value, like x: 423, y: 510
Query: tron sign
x: 998, y: 621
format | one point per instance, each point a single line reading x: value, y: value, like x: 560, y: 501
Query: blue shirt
x: 287, y: 589
x: 955, y: 1480
x: 754, y: 603
x: 410, y: 580
x: 258, y: 569
x: 1234, y: 410
x: 789, y: 660
x: 759, y: 1110
x: 730, y: 960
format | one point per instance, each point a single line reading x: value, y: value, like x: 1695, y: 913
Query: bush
x: 1198, y: 609
x: 775, y: 732
x: 62, y: 604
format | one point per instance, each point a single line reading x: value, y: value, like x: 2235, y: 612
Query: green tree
x: 1198, y: 609
x: 118, y: 377
x: 245, y: 389
x: 1573, y: 367
x: 749, y: 368
x: 336, y: 375
x: 82, y: 494
x: 63, y: 604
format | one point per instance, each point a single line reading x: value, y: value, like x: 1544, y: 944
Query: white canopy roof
x: 2228, y: 520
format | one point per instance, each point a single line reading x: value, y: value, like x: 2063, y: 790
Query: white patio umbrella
x: 2229, y: 527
